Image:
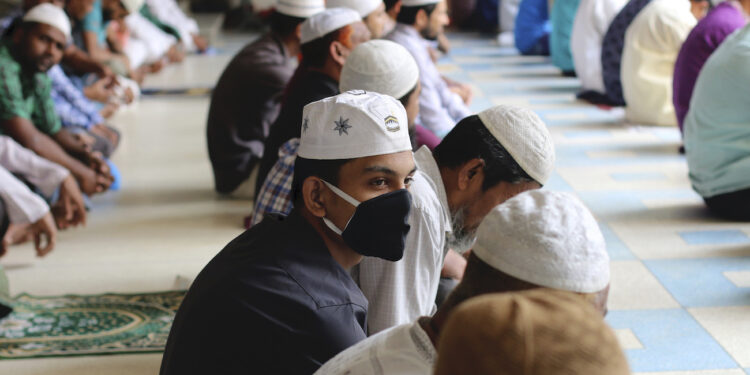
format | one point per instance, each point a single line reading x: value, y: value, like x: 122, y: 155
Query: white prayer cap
x: 545, y: 238
x: 327, y: 21
x: 354, y: 124
x: 381, y: 66
x: 363, y: 7
x: 416, y: 3
x: 50, y: 15
x: 300, y: 8
x: 525, y: 136
x: 133, y: 6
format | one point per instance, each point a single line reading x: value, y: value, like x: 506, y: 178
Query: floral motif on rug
x: 88, y: 325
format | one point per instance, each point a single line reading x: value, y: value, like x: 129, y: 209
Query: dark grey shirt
x: 244, y: 104
x: 273, y: 301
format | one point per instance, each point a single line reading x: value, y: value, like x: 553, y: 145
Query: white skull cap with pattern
x: 300, y: 8
x: 363, y: 7
x: 381, y: 66
x: 49, y: 14
x: 352, y: 125
x: 525, y: 136
x: 416, y: 3
x: 548, y: 239
x: 327, y: 21
x: 133, y: 6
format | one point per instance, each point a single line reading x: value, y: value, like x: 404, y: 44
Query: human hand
x: 43, y: 232
x: 70, y: 209
x: 101, y: 90
x: 109, y: 110
x: 200, y: 42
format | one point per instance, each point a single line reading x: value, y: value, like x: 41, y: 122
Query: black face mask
x: 379, y: 226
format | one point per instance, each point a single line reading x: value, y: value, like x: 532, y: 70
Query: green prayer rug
x: 75, y: 325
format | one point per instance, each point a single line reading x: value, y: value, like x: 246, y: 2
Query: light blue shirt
x: 717, y: 127
x: 439, y: 107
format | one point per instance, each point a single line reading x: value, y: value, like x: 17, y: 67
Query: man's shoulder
x: 8, y: 65
x: 424, y: 193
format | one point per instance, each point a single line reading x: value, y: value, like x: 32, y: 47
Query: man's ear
x: 469, y: 173
x: 422, y: 19
x: 338, y: 52
x: 313, y: 197
x: 298, y: 32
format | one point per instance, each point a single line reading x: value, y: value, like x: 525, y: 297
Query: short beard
x: 460, y: 239
x: 428, y: 34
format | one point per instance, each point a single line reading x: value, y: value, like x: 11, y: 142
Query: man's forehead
x: 51, y: 32
x: 392, y: 163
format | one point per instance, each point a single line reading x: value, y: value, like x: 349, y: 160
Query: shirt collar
x: 308, y: 261
x: 428, y: 166
x: 422, y: 342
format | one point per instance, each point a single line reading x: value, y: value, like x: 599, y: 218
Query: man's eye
x: 408, y: 181
x: 380, y: 182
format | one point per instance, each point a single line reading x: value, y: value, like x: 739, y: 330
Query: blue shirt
x: 717, y: 127
x: 532, y: 24
x: 562, y: 17
x: 73, y: 108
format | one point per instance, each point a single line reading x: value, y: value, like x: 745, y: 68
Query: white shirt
x: 402, y: 350
x: 400, y: 292
x: 591, y: 23
x: 439, y: 107
x: 22, y: 205
x: 170, y: 13
x: 652, y: 43
x: 157, y: 41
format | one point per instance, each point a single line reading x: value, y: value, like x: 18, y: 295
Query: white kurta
x: 592, y: 20
x: 169, y: 12
x: 652, y: 43
x: 156, y: 41
x: 402, y: 350
x: 22, y: 205
x: 439, y: 107
x: 400, y: 292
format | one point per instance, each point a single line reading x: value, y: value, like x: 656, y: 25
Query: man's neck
x: 340, y: 251
x: 291, y: 45
x: 330, y: 68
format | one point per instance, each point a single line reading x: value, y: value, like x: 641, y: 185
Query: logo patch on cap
x: 305, y: 125
x: 342, y: 126
x: 391, y: 123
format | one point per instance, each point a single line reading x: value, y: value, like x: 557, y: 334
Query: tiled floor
x: 680, y: 298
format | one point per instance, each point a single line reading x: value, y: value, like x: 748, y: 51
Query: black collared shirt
x: 273, y: 301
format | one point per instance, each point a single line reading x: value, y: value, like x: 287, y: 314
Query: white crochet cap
x: 416, y: 3
x: 133, y: 6
x: 352, y: 125
x: 525, y: 136
x: 49, y: 14
x: 300, y: 8
x: 381, y: 66
x: 329, y: 20
x: 548, y: 239
x: 363, y: 7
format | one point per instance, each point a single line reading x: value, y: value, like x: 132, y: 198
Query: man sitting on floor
x: 378, y: 66
x: 539, y: 239
x: 419, y: 21
x: 552, y: 332
x: 710, y: 32
x: 717, y: 130
x: 372, y: 12
x: 562, y: 16
x: 590, y: 25
x: 327, y: 38
x: 279, y: 299
x: 652, y: 43
x: 247, y: 99
x: 532, y: 28
x: 485, y: 160
x: 169, y: 12
x: 26, y: 108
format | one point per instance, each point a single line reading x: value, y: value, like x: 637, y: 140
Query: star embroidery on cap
x: 342, y: 126
x: 305, y: 125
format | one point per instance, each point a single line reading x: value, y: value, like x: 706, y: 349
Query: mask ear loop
x: 345, y: 197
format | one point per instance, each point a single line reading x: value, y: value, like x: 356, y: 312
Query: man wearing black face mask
x: 279, y: 298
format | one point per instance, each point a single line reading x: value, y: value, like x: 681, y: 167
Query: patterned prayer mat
x: 88, y: 325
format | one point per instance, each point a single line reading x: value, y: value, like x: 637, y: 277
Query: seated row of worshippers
x: 57, y: 94
x: 283, y: 297
x: 669, y: 62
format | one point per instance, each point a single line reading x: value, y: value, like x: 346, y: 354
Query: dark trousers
x: 732, y: 206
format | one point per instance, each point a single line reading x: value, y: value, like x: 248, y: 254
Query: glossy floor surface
x: 680, y: 297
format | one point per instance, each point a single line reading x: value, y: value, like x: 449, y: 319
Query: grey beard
x: 460, y: 240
